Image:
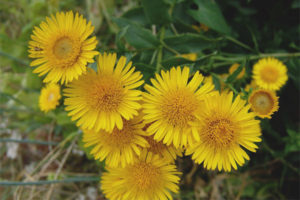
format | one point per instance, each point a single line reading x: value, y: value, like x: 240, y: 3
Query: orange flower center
x: 66, y: 50
x: 262, y: 102
x: 106, y: 94
x: 220, y: 132
x: 269, y: 74
x: 50, y: 96
x: 145, y: 175
x: 178, y: 107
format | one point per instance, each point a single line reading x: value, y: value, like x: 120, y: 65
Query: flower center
x: 178, y: 107
x: 50, y: 96
x: 269, y: 74
x: 106, y: 94
x: 66, y: 51
x: 155, y: 147
x: 262, y: 102
x: 120, y: 138
x: 145, y: 175
x: 220, y: 132
x: 63, y: 48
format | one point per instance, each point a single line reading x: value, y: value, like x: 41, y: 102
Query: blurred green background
x: 44, y: 147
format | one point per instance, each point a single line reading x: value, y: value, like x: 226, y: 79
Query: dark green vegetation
x: 151, y: 33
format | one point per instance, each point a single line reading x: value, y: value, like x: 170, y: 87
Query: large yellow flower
x: 150, y: 178
x: 49, y: 98
x: 100, y: 100
x: 270, y: 73
x: 171, y: 103
x: 263, y: 103
x: 225, y: 126
x: 61, y: 48
x: 119, y: 148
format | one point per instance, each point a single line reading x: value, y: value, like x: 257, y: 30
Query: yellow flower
x: 120, y: 147
x: 150, y: 178
x: 225, y: 126
x: 100, y: 100
x: 235, y: 67
x: 169, y: 153
x: 171, y: 103
x: 49, y: 98
x: 270, y: 73
x: 189, y: 56
x: 60, y: 47
x: 263, y: 103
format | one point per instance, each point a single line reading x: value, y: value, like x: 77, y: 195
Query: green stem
x: 28, y: 141
x: 238, y: 43
x: 13, y: 58
x: 160, y: 50
x: 47, y: 182
x: 254, y: 57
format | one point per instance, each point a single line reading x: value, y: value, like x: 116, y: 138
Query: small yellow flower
x: 120, y: 147
x: 270, y: 73
x: 99, y: 100
x: 189, y: 56
x: 234, y: 67
x: 224, y: 127
x: 149, y: 178
x: 263, y: 103
x: 171, y: 103
x: 61, y: 48
x: 49, y: 98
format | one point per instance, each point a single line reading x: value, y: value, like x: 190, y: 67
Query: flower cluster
x: 140, y: 132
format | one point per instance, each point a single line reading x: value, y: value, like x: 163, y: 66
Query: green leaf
x: 209, y: 13
x: 216, y: 82
x: 136, y: 15
x: 157, y: 11
x: 233, y: 76
x: 189, y: 43
x: 137, y: 36
x: 175, y: 61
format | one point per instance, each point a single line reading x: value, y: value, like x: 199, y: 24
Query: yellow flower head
x: 171, y: 103
x: 263, y: 103
x: 100, y: 99
x: 49, y: 98
x: 189, y: 56
x: 149, y: 178
x: 60, y: 47
x: 270, y: 73
x: 235, y: 67
x: 120, y: 147
x: 225, y: 126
